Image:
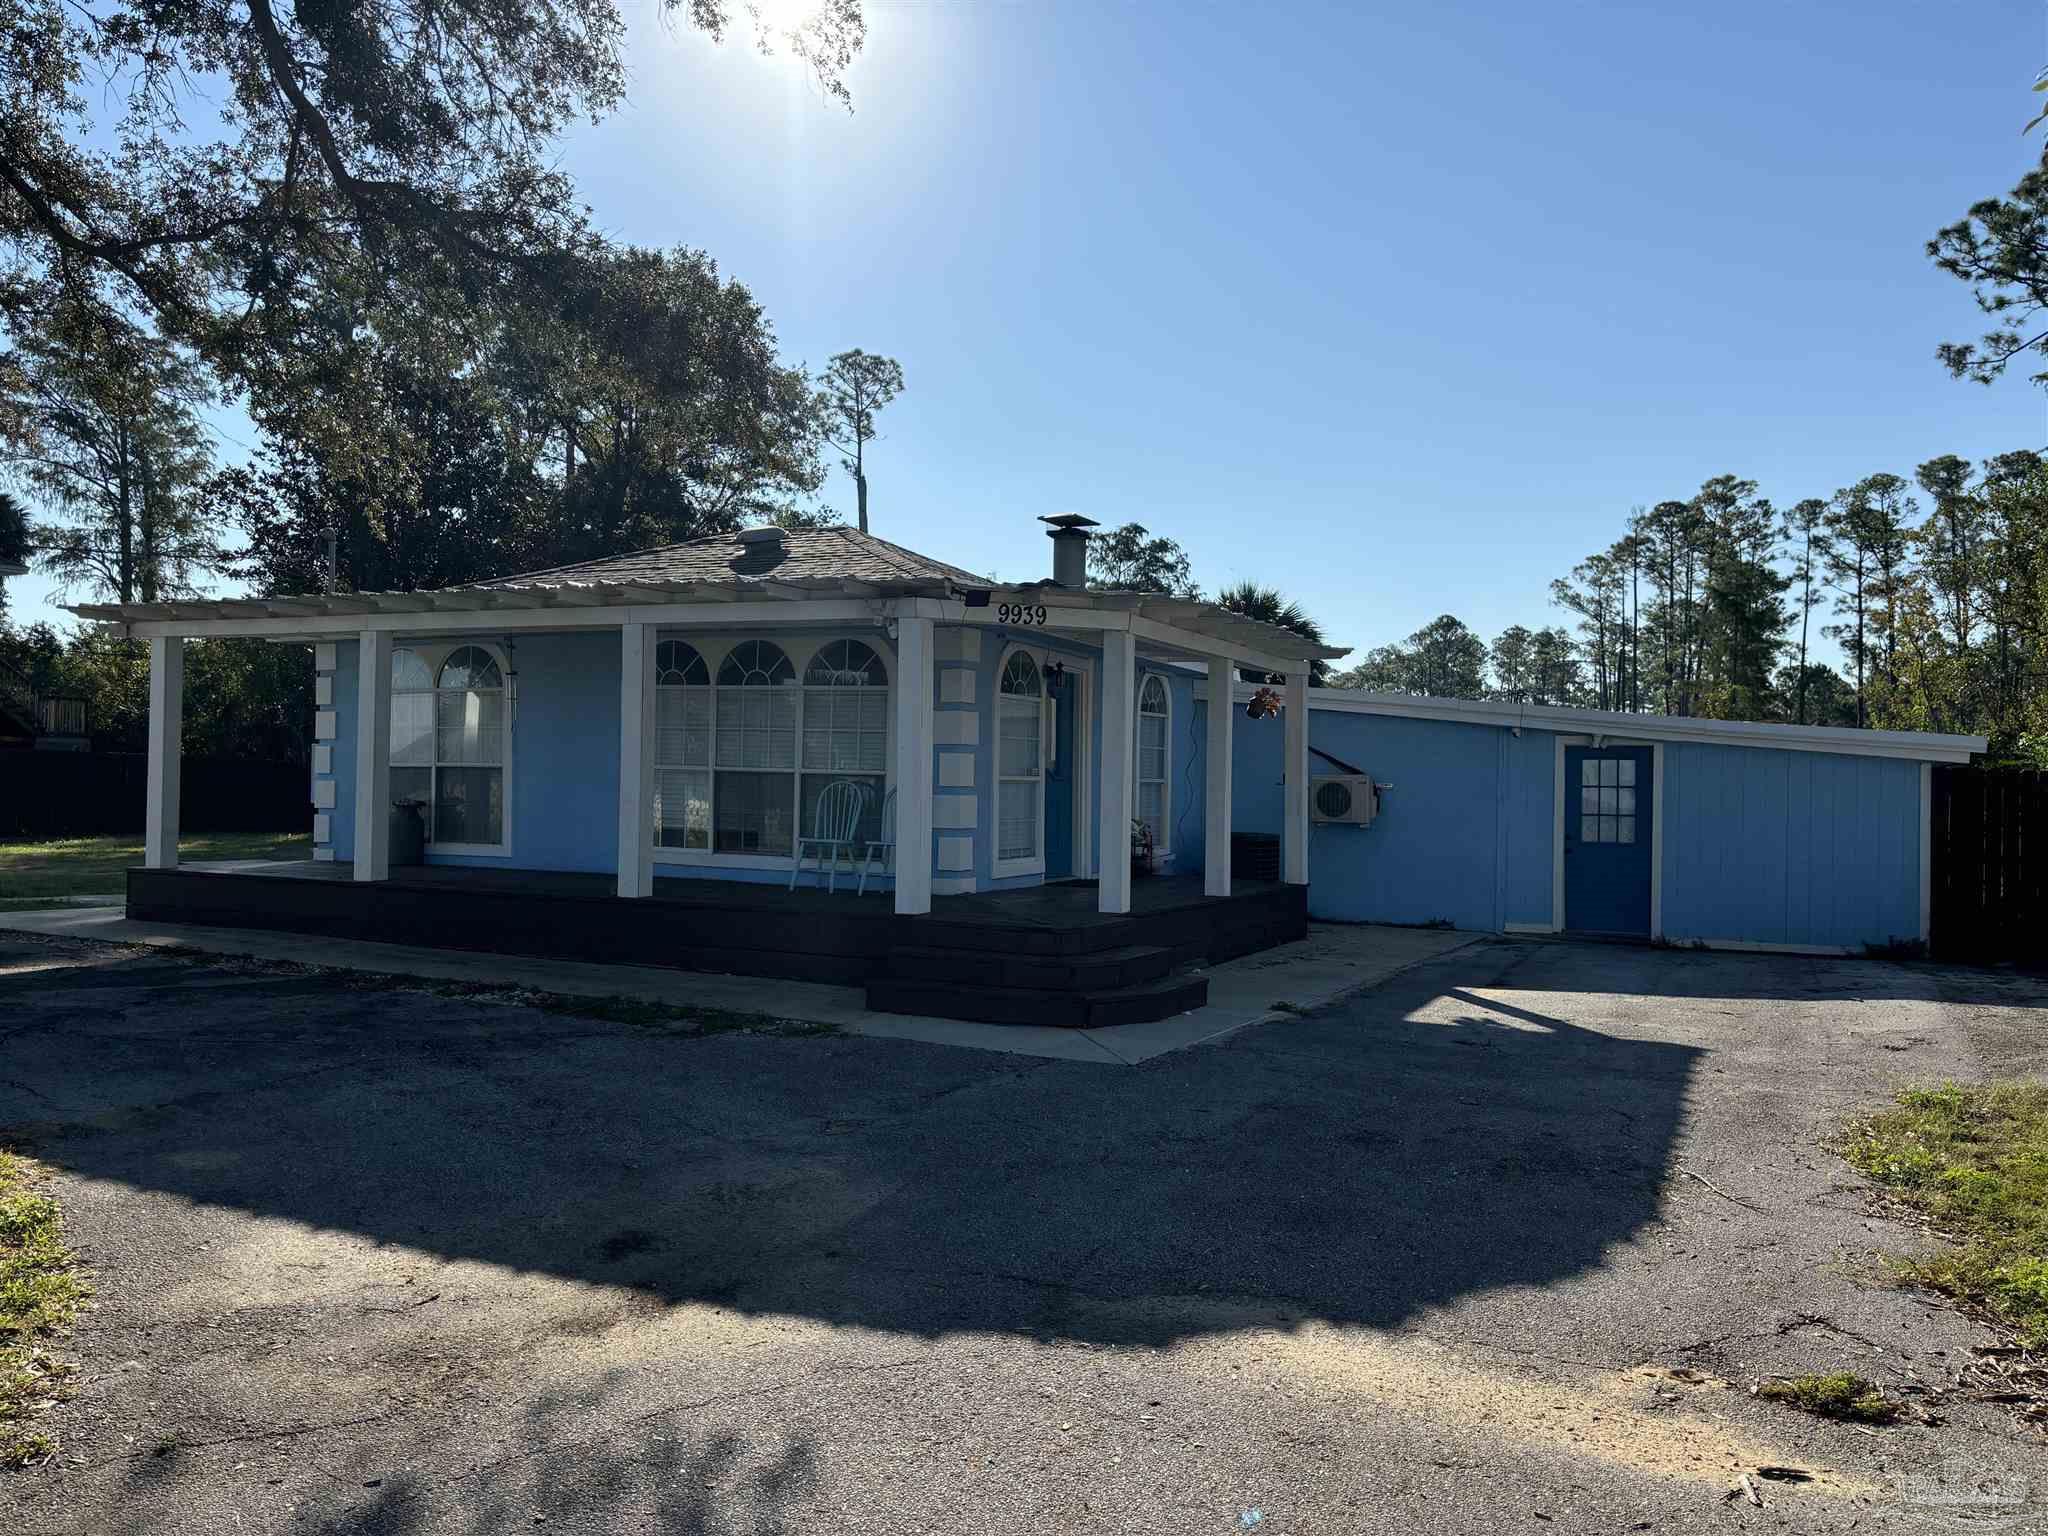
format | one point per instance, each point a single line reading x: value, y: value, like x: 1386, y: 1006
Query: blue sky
x: 1399, y: 309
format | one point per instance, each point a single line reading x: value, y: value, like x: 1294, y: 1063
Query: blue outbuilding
x: 1511, y: 818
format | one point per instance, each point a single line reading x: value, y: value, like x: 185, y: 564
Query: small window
x: 1607, y: 800
x: 755, y: 664
x: 1020, y: 676
x: 846, y: 664
x: 470, y: 668
x: 409, y: 673
x: 677, y: 665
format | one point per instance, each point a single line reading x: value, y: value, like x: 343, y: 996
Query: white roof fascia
x: 1917, y: 746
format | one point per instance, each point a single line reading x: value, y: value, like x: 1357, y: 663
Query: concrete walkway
x: 1332, y: 962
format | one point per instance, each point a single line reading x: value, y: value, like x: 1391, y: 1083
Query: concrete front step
x: 1096, y: 971
x: 1138, y: 1004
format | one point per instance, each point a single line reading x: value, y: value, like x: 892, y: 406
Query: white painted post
x: 373, y: 755
x: 1119, y: 747
x: 636, y: 759
x: 166, y: 752
x: 1294, y: 818
x: 915, y: 679
x: 1216, y: 823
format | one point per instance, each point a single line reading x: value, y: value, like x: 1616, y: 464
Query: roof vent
x: 1069, y: 535
x: 761, y: 551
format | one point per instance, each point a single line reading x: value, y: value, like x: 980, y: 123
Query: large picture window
x: 846, y: 729
x: 682, y: 747
x: 744, y: 746
x: 1153, y: 764
x: 450, y: 733
x: 754, y: 747
x: 1020, y: 765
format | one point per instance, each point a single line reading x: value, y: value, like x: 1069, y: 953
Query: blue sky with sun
x: 1399, y: 309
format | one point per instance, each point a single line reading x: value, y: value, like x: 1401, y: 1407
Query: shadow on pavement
x: 1416, y: 1145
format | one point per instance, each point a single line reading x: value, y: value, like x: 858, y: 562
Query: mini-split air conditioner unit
x: 1343, y: 799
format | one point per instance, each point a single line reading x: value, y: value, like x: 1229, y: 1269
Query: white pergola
x: 1123, y: 624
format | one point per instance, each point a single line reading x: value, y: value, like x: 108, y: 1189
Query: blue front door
x: 1607, y: 839
x: 1059, y: 783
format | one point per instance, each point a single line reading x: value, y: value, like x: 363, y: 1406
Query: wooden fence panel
x: 1989, y: 882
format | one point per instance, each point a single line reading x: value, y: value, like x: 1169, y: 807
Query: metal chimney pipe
x: 1069, y: 535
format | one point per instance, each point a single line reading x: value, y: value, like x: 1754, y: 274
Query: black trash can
x: 408, y: 832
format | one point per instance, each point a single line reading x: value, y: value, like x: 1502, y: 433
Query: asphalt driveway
x: 1496, y: 1246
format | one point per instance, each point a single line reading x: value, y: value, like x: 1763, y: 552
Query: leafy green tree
x: 1743, y: 615
x: 1383, y: 669
x: 1448, y: 661
x: 412, y: 140
x: 2000, y: 248
x: 1814, y: 694
x: 1672, y: 544
x: 14, y: 543
x: 1130, y: 558
x: 101, y: 421
x: 1268, y: 606
x: 1869, y: 527
x: 1555, y: 668
x: 857, y: 384
x: 1512, y: 659
x: 1806, y: 532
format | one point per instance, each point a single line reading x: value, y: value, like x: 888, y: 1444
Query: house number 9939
x: 1027, y: 614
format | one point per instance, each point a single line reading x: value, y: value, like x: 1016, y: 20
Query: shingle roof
x: 804, y: 554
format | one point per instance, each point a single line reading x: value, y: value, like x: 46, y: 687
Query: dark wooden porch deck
x: 1008, y: 954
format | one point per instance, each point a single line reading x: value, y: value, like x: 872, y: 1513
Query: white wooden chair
x: 841, y: 804
x: 882, y: 848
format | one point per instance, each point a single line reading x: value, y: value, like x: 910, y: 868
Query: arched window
x: 682, y: 746
x: 450, y: 734
x: 846, y: 728
x: 754, y: 751
x: 1153, y: 759
x: 1020, y: 766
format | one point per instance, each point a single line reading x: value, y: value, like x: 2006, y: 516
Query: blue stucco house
x: 623, y: 759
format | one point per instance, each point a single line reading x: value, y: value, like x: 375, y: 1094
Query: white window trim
x: 801, y: 651
x: 432, y: 655
x: 1001, y: 868
x: 1162, y: 851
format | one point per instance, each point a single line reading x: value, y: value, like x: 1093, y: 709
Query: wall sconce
x: 1055, y: 678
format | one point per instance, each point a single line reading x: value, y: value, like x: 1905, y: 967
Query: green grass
x: 87, y: 866
x: 40, y: 1292
x: 1974, y: 1161
x: 1837, y: 1396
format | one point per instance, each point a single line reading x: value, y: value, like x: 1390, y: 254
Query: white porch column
x: 1119, y: 747
x: 1216, y: 823
x: 1294, y: 816
x: 636, y: 759
x: 166, y: 751
x: 373, y: 755
x: 914, y: 683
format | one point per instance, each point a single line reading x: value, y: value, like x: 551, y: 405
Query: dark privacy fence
x: 1990, y: 865
x: 90, y: 794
